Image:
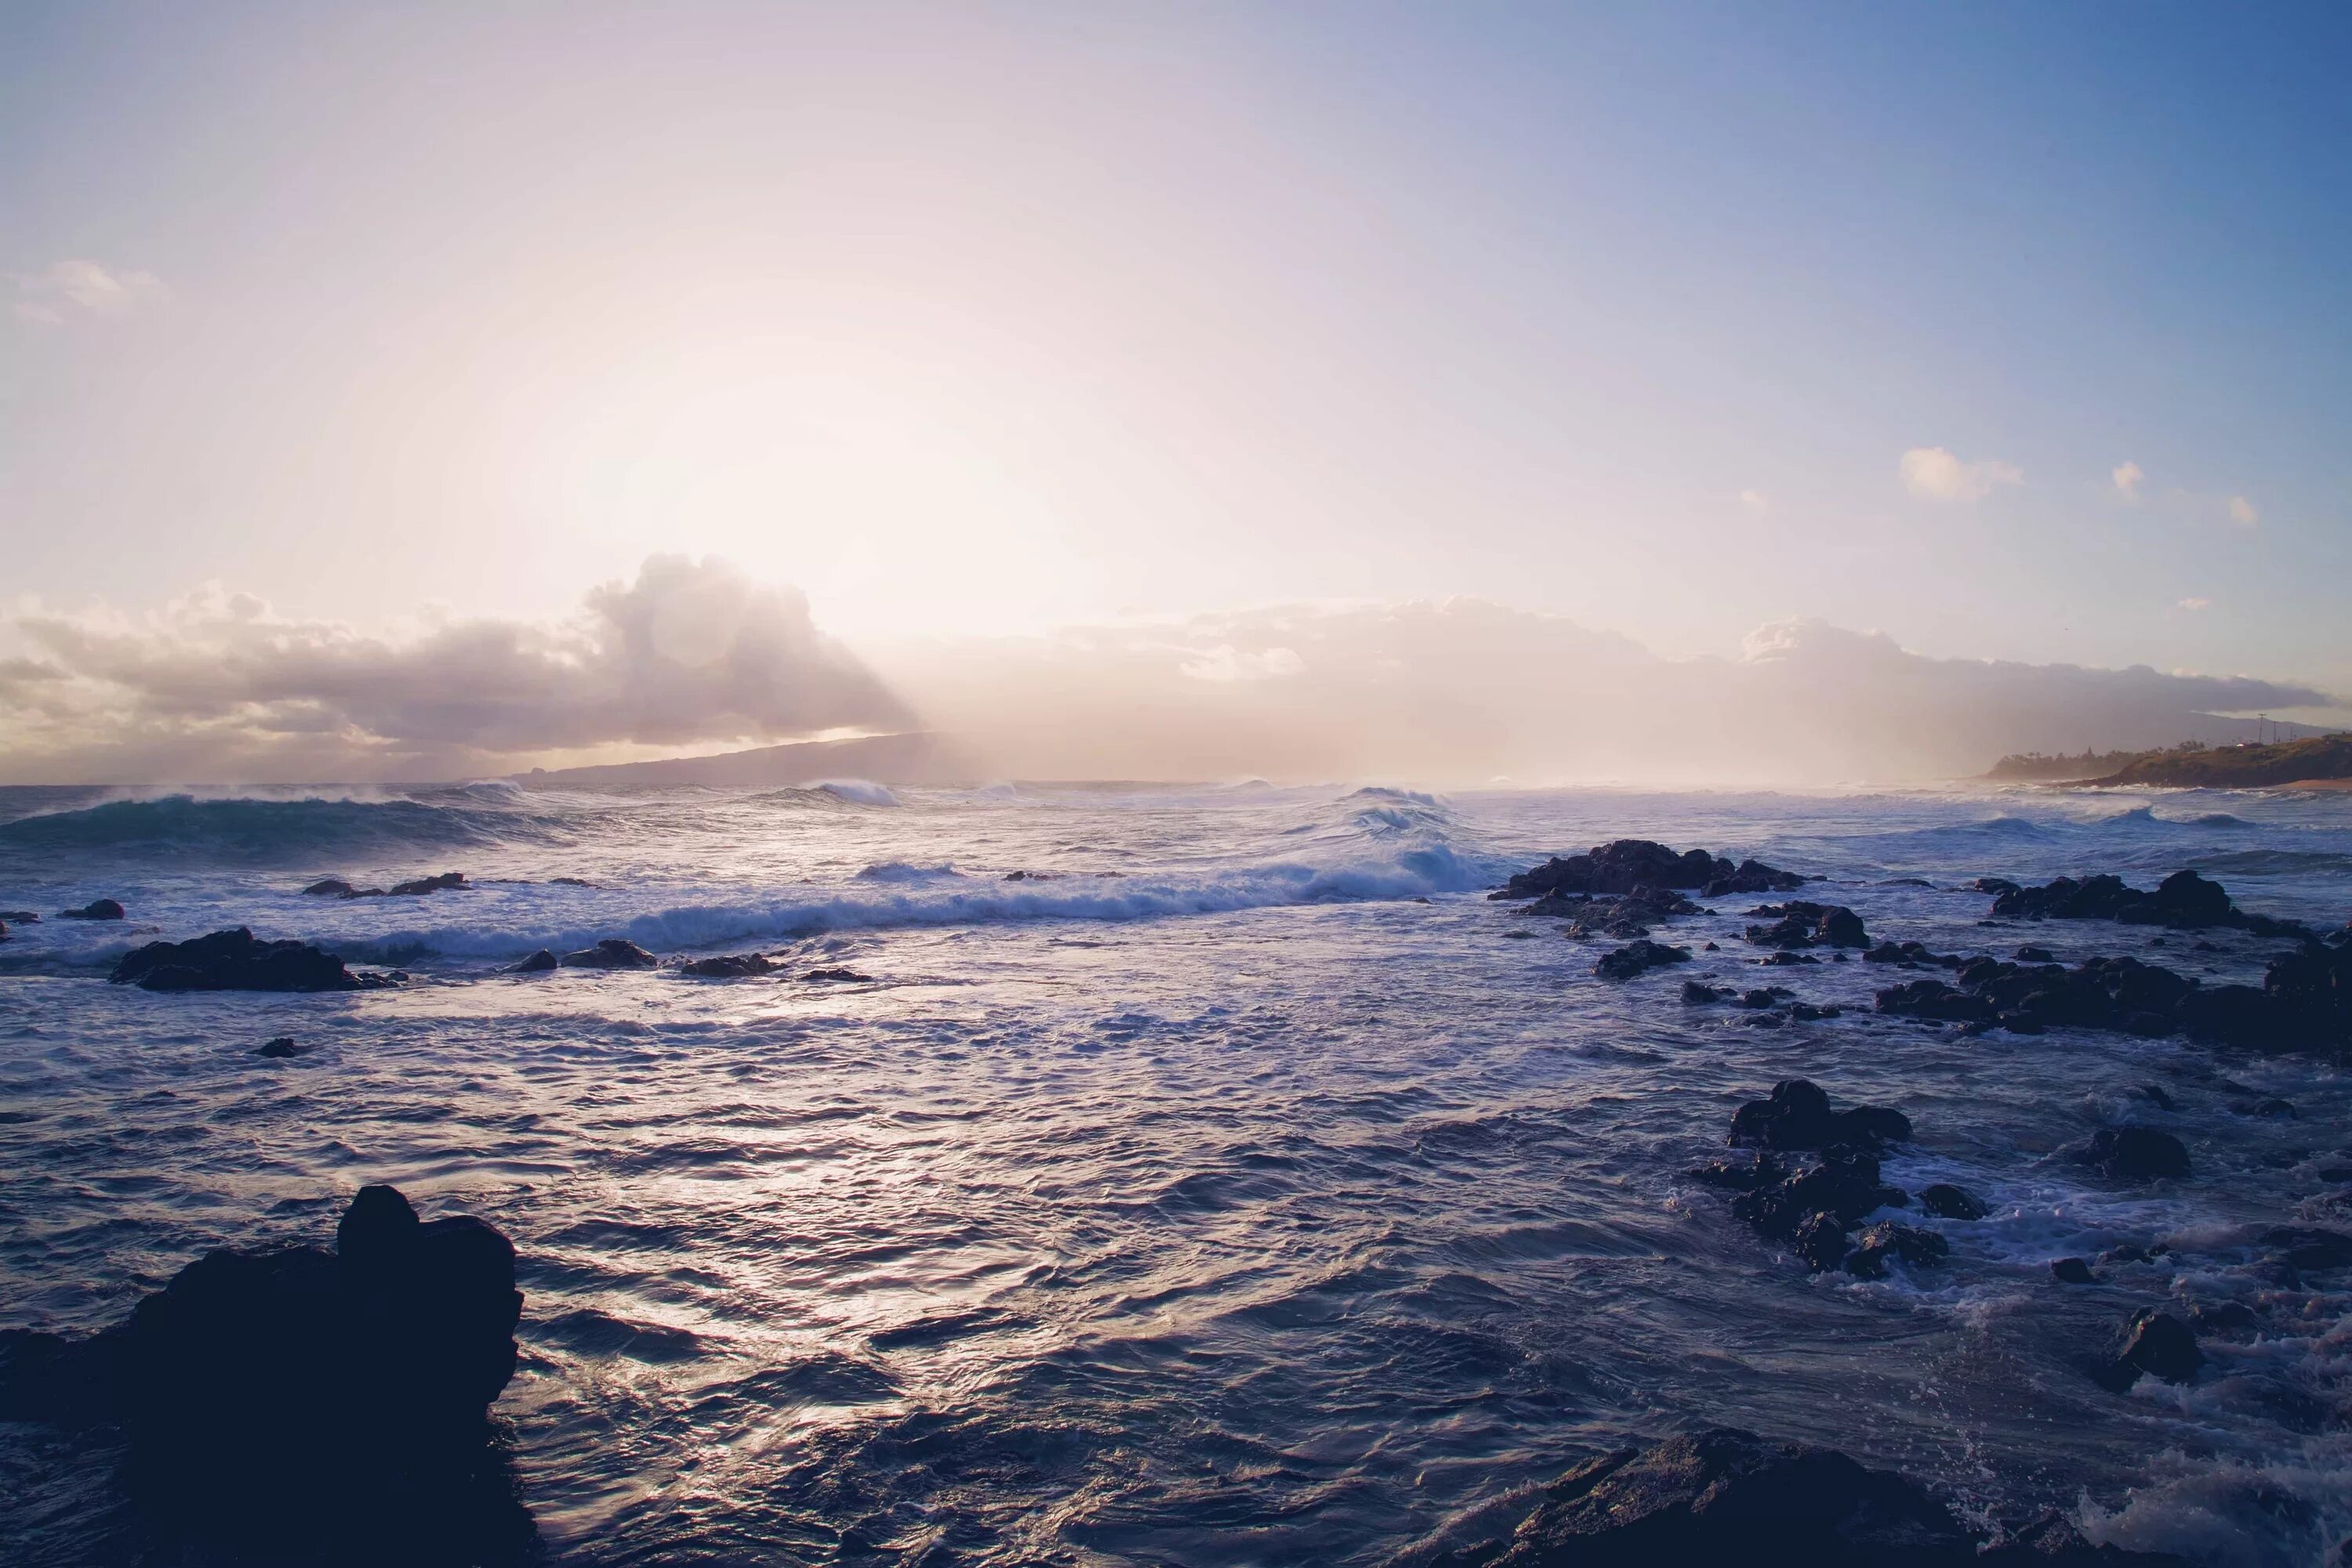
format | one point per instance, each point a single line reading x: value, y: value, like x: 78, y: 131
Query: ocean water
x: 1239, y: 1186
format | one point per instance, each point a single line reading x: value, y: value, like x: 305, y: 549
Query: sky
x: 2013, y: 332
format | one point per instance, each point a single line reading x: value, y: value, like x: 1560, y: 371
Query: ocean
x: 1173, y: 1175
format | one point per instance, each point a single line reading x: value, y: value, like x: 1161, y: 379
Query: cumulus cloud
x: 1938, y: 475
x: 2242, y: 513
x: 72, y: 287
x: 2128, y: 477
x: 216, y: 685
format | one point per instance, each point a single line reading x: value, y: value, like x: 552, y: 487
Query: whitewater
x: 1170, y: 1174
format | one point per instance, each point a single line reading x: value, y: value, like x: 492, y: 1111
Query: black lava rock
x: 1798, y: 924
x: 1946, y: 1201
x: 96, y: 910
x: 1797, y: 1116
x: 1638, y: 957
x: 296, y: 1398
x: 445, y: 882
x: 1888, y: 1241
x: 238, y: 961
x: 2070, y: 1271
x: 836, y: 972
x: 539, y: 963
x: 1627, y: 865
x: 613, y: 952
x: 2305, y: 1247
x: 282, y: 1047
x: 731, y: 966
x: 2135, y: 1153
x: 1698, y: 993
x: 2155, y: 1342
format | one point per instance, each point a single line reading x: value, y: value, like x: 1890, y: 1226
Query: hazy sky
x: 2015, y: 332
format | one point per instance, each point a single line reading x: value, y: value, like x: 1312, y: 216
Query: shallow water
x: 1251, y: 1191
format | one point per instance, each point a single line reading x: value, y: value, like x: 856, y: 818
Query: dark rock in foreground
x: 20, y: 917
x: 96, y: 910
x: 539, y: 963
x: 1637, y: 957
x: 238, y: 961
x: 1797, y: 1115
x: 1726, y: 1498
x: 1627, y: 865
x: 2135, y: 1153
x: 2155, y: 1342
x: 1798, y: 924
x: 299, y: 1398
x: 730, y: 966
x: 613, y: 952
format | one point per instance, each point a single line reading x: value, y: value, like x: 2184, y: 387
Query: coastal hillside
x: 2321, y: 758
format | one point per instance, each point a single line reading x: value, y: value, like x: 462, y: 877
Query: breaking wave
x: 257, y: 831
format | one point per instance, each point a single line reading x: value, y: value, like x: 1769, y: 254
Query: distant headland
x: 2319, y: 762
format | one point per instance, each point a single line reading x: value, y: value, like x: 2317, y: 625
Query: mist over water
x: 1238, y: 1185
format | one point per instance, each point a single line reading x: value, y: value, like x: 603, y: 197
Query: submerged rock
x: 730, y: 966
x: 447, y: 882
x: 1798, y: 924
x: 1727, y: 1497
x: 280, y: 1048
x: 299, y: 1396
x: 2135, y: 1153
x: 539, y: 963
x: 613, y: 952
x: 1889, y: 1241
x: 2070, y: 1271
x: 1797, y: 1115
x: 1911, y: 955
x: 1637, y: 957
x: 836, y: 972
x: 238, y: 961
x: 1946, y: 1201
x: 20, y: 917
x: 96, y: 910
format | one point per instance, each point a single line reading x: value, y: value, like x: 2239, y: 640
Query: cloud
x: 1754, y: 501
x: 2196, y: 604
x: 2128, y: 478
x: 1459, y: 692
x: 82, y: 288
x: 689, y: 652
x: 1936, y: 474
x: 2242, y: 513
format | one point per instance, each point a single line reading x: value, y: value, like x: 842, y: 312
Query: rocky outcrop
x: 613, y: 952
x: 539, y: 963
x: 1797, y: 1115
x: 281, y: 1394
x: 1638, y: 957
x: 1621, y: 916
x: 96, y: 910
x: 1797, y: 924
x: 2182, y: 901
x: 2153, y: 1343
x: 336, y: 888
x: 730, y: 966
x: 2304, y: 1000
x: 2134, y: 1155
x: 1727, y: 1496
x: 1946, y: 1201
x: 238, y: 960
x: 1627, y: 865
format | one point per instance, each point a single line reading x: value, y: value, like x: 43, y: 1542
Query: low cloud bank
x: 692, y: 656
x: 1467, y: 693
x: 217, y: 687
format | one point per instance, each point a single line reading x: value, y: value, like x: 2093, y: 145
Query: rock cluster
x: 2182, y: 901
x: 1815, y: 1205
x: 1627, y: 865
x: 2304, y: 1000
x: 1638, y: 957
x: 238, y: 960
x: 300, y: 1395
x: 1619, y: 915
x: 96, y: 910
x: 1798, y: 924
x: 336, y: 888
